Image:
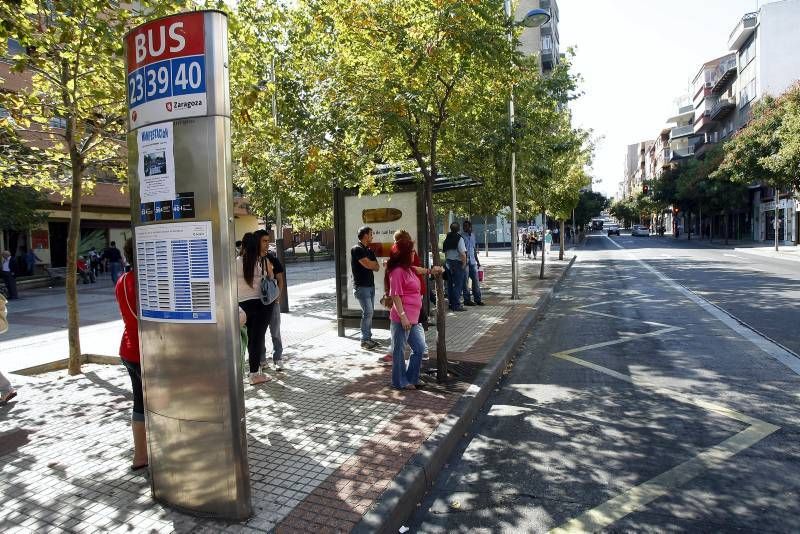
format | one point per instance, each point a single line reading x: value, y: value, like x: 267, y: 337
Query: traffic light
x: 645, y: 188
x: 675, y: 210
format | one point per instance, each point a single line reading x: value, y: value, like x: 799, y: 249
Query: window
x: 747, y: 93
x: 747, y: 53
x: 13, y: 48
x: 57, y: 122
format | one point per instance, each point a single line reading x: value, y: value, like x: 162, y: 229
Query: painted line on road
x: 768, y: 345
x: 639, y: 496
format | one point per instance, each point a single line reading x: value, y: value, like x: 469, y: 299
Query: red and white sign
x: 166, y: 69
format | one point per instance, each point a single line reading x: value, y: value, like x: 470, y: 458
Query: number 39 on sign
x: 164, y: 79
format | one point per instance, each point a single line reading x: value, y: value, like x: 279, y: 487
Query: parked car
x: 613, y: 229
x: 639, y: 230
x: 303, y: 248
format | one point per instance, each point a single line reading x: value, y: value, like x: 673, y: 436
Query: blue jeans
x: 275, y: 334
x: 455, y: 282
x: 472, y: 274
x: 366, y: 298
x: 116, y: 270
x: 402, y: 376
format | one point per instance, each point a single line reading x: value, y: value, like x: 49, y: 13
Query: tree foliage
x: 73, y: 118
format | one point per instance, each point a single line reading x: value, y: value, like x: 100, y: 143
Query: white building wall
x: 778, y: 52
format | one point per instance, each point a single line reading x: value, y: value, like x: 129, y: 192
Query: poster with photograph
x: 156, y: 163
x: 385, y: 214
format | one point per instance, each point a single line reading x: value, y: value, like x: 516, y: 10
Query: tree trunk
x: 777, y: 220
x: 441, y: 313
x: 561, y: 240
x: 73, y: 316
x: 689, y: 226
x: 726, y: 226
x: 544, y: 232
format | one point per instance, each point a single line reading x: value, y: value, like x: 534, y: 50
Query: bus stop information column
x: 179, y: 171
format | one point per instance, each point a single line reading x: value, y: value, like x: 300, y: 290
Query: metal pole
x: 279, y: 244
x: 514, y: 281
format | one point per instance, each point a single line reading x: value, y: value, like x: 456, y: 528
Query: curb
x: 409, y: 487
x: 64, y: 364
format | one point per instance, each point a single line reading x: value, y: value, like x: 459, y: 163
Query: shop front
x: 787, y: 226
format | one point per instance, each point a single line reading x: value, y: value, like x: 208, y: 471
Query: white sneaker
x: 278, y: 365
x: 258, y: 378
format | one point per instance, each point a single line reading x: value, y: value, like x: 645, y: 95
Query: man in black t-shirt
x: 114, y: 258
x: 275, y: 320
x: 363, y: 264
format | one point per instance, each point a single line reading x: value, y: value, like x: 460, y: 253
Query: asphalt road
x: 631, y: 408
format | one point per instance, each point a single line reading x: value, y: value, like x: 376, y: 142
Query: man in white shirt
x: 7, y: 275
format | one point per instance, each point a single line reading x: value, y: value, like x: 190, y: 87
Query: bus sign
x: 166, y: 70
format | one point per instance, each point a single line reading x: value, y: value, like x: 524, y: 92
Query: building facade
x: 545, y: 41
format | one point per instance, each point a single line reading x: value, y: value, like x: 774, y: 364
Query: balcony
x: 684, y: 113
x: 681, y: 131
x: 725, y: 74
x: 703, y: 123
x: 743, y: 31
x: 722, y: 108
x: 682, y: 152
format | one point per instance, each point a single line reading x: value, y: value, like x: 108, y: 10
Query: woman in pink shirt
x: 404, y: 288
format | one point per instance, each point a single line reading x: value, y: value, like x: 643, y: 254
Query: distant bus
x: 597, y: 223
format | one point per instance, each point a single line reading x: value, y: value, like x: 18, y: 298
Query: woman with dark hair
x: 404, y: 289
x: 125, y: 291
x: 251, y: 266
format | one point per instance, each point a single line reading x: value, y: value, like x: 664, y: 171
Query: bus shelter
x: 401, y: 208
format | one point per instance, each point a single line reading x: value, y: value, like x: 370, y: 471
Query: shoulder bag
x: 269, y: 286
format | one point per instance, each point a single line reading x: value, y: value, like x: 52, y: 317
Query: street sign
x: 167, y: 70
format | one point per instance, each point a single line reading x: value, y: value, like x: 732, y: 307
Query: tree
x: 767, y: 150
x: 590, y: 204
x: 74, y: 56
x: 406, y: 72
x: 22, y: 208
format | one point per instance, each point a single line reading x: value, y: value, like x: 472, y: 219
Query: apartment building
x: 765, y: 44
x: 543, y: 41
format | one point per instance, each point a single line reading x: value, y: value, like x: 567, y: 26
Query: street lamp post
x: 279, y: 243
x: 533, y: 19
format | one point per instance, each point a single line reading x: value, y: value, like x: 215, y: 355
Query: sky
x: 636, y: 58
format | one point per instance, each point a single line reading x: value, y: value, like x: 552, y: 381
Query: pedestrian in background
x: 275, y: 319
x: 125, y: 292
x: 404, y: 289
x: 7, y: 275
x: 30, y: 261
x: 364, y: 264
x: 6, y: 391
x: 548, y: 242
x: 455, y: 253
x: 113, y: 257
x: 250, y: 269
x: 534, y: 243
x: 473, y: 263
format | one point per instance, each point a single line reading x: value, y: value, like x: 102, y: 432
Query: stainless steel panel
x: 192, y: 375
x: 191, y: 470
x: 216, y: 25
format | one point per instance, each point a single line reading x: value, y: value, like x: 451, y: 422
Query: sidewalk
x: 331, y: 446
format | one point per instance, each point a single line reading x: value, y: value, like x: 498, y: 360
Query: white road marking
x: 772, y: 348
x: 639, y: 496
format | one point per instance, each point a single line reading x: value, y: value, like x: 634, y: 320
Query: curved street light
x: 533, y: 19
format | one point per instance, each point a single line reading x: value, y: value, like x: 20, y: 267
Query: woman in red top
x: 125, y: 291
